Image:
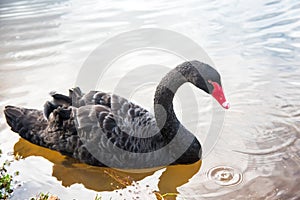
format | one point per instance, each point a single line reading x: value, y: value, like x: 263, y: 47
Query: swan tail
x: 13, y: 115
x: 26, y: 122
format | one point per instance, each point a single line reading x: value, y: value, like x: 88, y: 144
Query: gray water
x: 255, y: 47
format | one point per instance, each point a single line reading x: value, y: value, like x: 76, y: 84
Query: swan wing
x: 105, y: 136
x: 126, y: 124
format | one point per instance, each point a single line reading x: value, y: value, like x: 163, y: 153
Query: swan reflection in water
x: 69, y: 171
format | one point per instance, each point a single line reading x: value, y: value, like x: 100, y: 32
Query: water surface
x: 254, y: 45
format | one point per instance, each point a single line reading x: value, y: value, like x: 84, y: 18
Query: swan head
x: 206, y: 78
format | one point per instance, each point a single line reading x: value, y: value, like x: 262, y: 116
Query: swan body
x: 104, y: 129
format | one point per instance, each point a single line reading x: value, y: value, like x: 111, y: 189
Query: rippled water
x: 255, y: 46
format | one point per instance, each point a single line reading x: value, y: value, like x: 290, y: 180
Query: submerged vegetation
x: 6, y: 179
x: 5, y: 182
x: 43, y: 196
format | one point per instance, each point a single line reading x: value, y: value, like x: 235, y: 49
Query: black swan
x: 104, y: 129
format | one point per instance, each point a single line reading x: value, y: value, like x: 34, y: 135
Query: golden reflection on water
x: 69, y: 171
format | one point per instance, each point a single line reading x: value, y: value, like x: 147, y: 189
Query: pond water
x: 255, y: 45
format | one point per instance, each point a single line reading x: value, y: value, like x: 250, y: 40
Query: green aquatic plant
x: 45, y: 196
x: 41, y: 196
x: 98, y: 197
x: 6, y: 180
x: 5, y: 184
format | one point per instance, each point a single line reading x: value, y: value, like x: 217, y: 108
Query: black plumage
x: 104, y: 129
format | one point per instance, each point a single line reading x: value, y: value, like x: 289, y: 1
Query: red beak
x: 218, y: 94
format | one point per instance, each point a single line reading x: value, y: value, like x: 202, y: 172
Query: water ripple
x: 272, y: 150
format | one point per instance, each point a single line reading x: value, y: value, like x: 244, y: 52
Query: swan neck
x: 163, y: 101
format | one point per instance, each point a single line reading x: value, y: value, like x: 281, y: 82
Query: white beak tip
x: 226, y: 105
